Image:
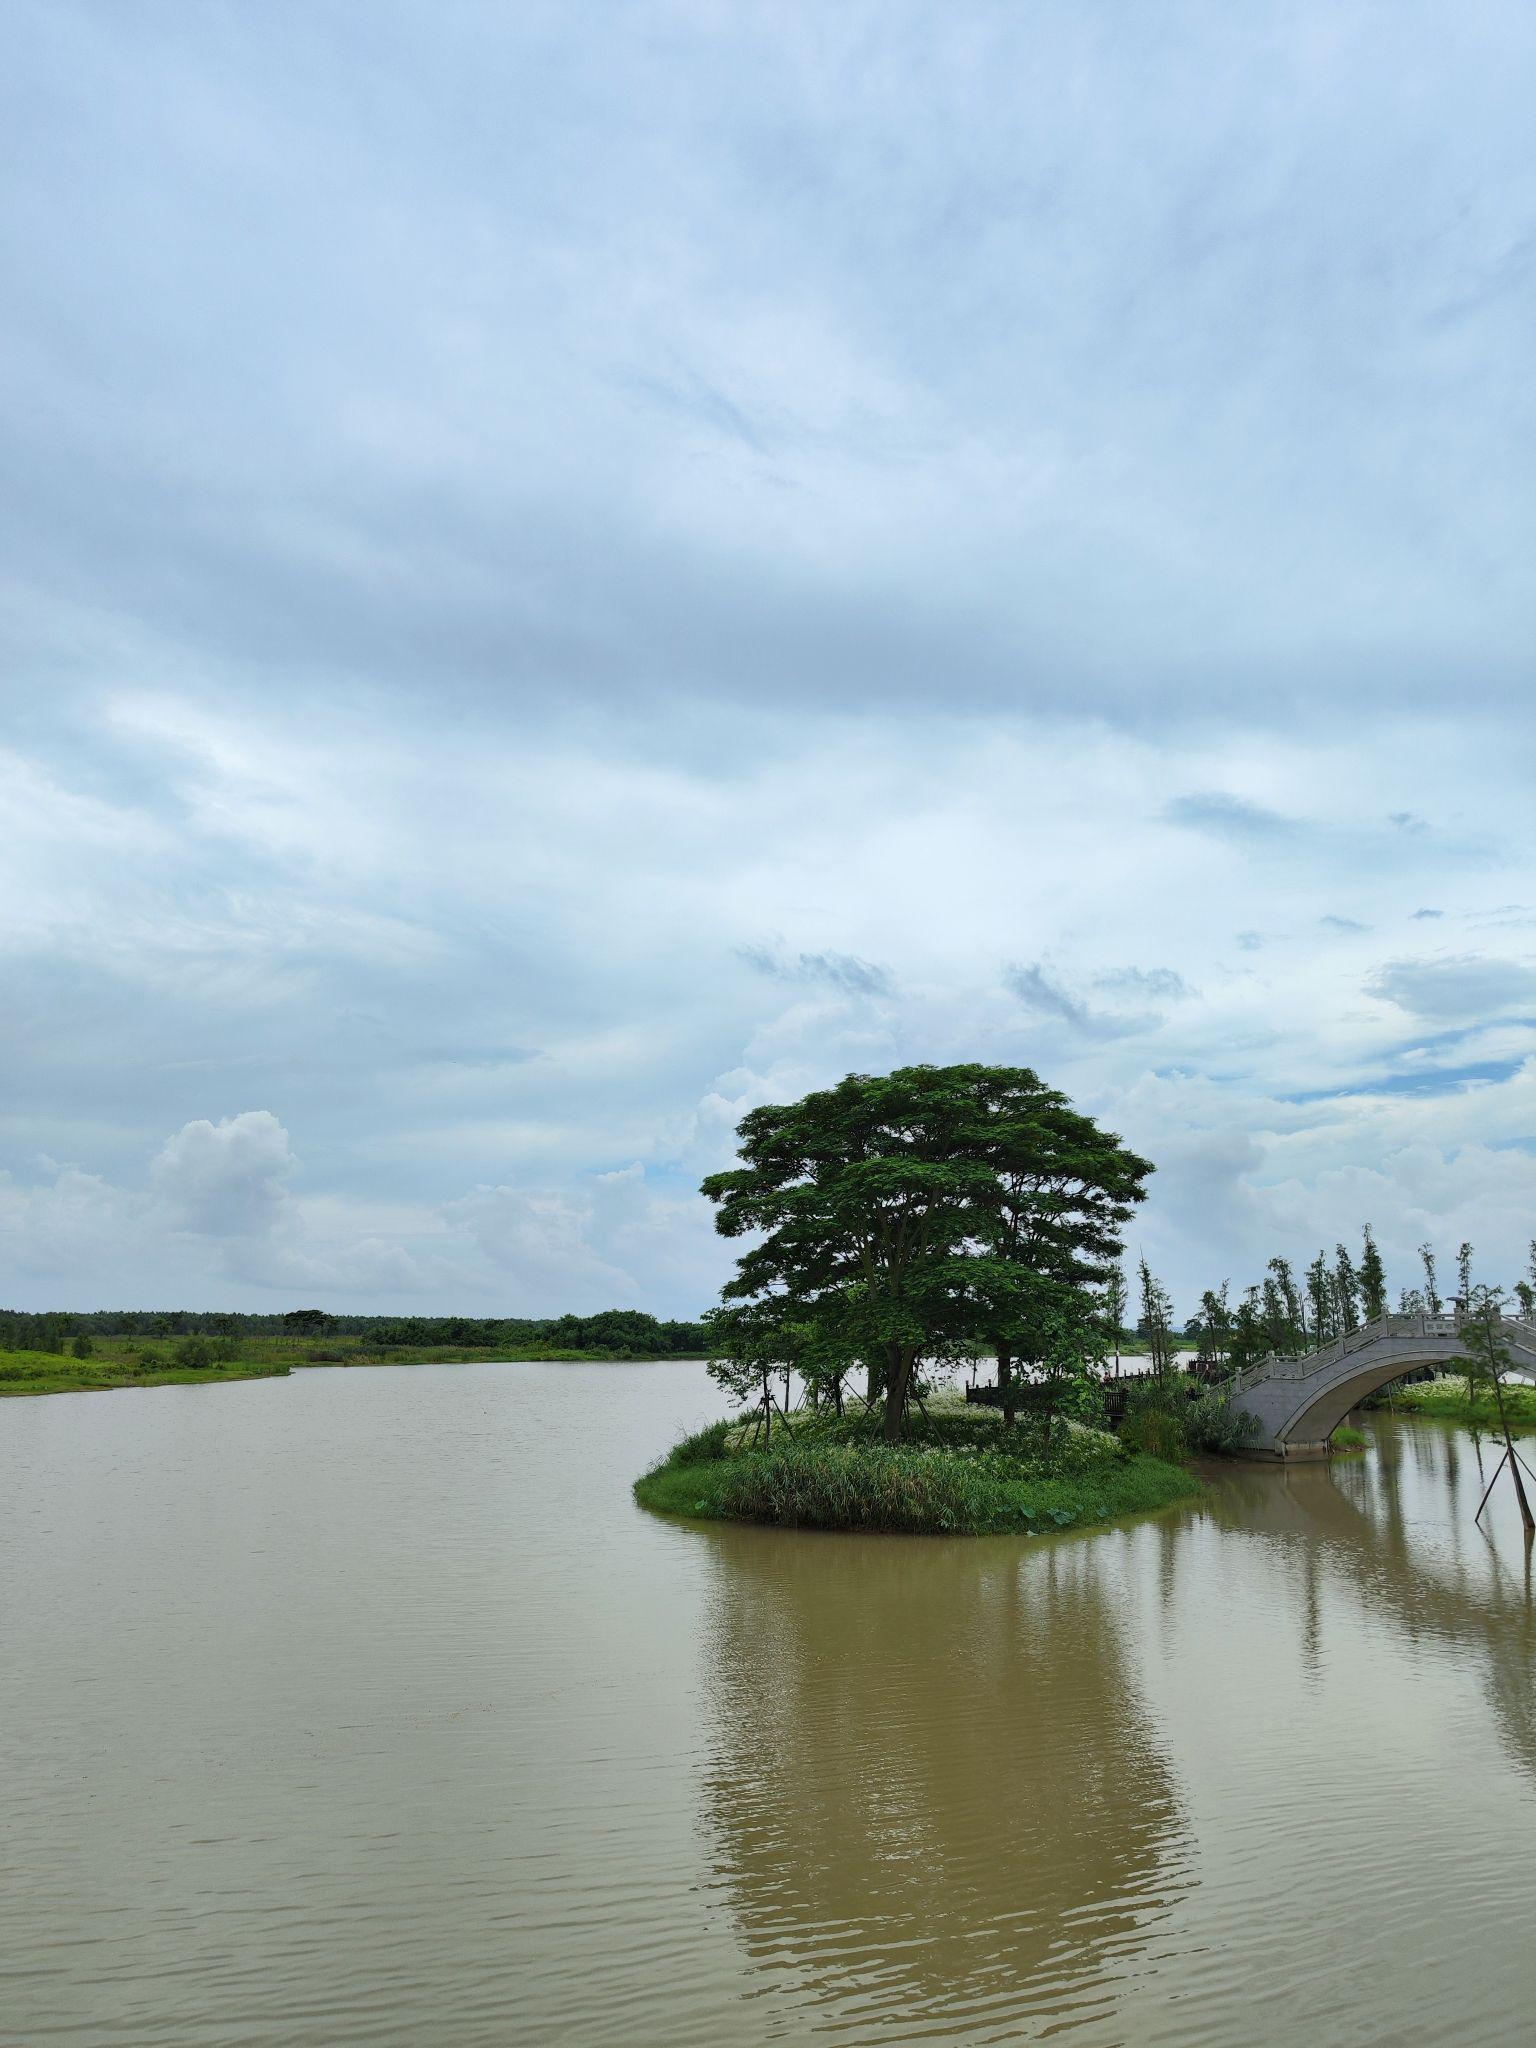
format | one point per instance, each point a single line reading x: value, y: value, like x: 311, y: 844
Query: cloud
x: 1420, y: 914
x: 839, y: 970
x: 1342, y: 924
x: 227, y: 1179
x: 1046, y: 997
x: 1429, y: 1080
x: 1158, y: 984
x: 540, y: 1248
x: 1446, y: 990
x: 610, y: 554
x: 1230, y: 817
x: 802, y: 480
x: 477, y: 1055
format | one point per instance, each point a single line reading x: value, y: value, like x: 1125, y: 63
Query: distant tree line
x: 626, y: 1330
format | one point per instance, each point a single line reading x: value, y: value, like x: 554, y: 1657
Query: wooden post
x: 1509, y: 1452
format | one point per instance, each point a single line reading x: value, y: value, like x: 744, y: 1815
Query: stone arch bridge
x: 1299, y: 1402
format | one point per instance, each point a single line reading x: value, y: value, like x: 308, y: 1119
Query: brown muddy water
x: 365, y: 1706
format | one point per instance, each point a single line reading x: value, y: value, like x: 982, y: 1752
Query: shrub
x: 848, y: 1486
x: 1155, y: 1420
x: 1212, y: 1425
x: 1172, y: 1419
x: 83, y: 1347
x: 703, y: 1445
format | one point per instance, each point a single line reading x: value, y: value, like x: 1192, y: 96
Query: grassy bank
x: 48, y: 1372
x: 837, y: 1477
x: 1449, y: 1399
x: 199, y: 1361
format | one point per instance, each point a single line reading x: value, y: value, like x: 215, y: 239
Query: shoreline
x: 106, y: 1372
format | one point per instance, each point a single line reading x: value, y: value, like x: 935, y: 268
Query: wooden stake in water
x: 1490, y: 1355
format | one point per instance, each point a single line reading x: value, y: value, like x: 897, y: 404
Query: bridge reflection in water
x: 1113, y: 1785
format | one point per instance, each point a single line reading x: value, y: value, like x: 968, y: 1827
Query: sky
x: 567, y: 572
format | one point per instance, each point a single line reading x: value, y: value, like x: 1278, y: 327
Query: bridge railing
x: 1274, y: 1367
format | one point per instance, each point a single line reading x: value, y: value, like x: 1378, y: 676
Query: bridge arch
x: 1299, y: 1402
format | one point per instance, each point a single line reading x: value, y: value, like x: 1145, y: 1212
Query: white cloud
x: 1449, y: 991
x: 628, y: 655
x: 227, y: 1179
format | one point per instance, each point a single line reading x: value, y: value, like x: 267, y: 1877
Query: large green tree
x: 1061, y: 1192
x: 905, y: 1213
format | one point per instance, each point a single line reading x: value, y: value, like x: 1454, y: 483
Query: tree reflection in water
x: 935, y: 1792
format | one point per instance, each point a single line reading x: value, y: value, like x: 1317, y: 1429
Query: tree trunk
x: 1005, y: 1380
x: 898, y: 1370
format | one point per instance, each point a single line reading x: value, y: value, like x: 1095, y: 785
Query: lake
x: 365, y: 1707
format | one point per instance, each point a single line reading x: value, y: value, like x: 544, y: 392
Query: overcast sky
x: 565, y: 572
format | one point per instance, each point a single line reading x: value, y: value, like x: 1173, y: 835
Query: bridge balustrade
x: 1449, y: 1324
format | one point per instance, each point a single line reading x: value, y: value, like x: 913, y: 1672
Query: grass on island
x: 1448, y: 1398
x: 957, y: 1474
x: 1347, y: 1438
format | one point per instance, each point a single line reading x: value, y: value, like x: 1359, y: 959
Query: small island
x: 910, y: 1228
x: 903, y: 1227
x: 957, y: 1472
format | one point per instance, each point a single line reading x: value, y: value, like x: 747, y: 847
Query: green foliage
x: 52, y: 1372
x: 1373, y: 1280
x: 1455, y: 1397
x: 82, y: 1347
x: 1346, y: 1291
x: 1154, y: 1422
x: 630, y: 1332
x: 956, y: 1471
x: 1156, y: 1321
x: 1215, y: 1428
x: 902, y: 1215
x: 1212, y: 1328
x: 1431, y: 1285
x: 702, y: 1446
x: 1177, y: 1416
x: 1464, y: 1275
x: 909, y: 1489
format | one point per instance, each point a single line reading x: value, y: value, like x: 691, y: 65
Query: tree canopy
x: 905, y: 1215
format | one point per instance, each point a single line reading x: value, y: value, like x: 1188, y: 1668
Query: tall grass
x: 1174, y: 1419
x: 909, y: 1489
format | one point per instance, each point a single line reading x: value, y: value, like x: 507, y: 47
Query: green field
x: 184, y: 1361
